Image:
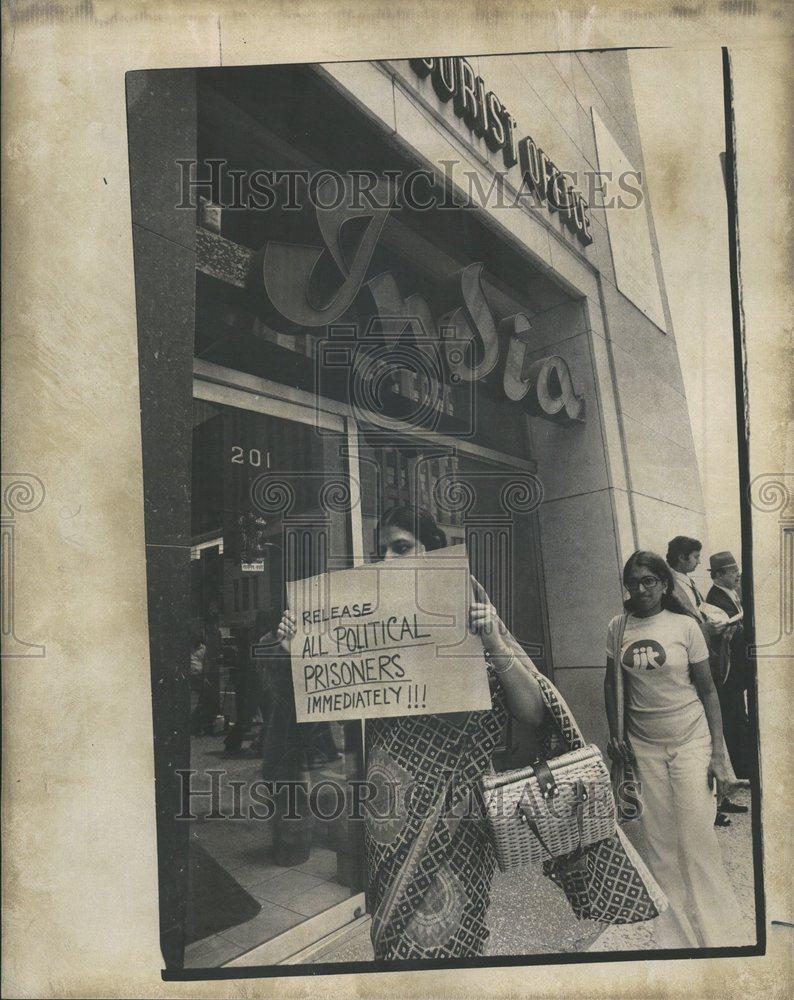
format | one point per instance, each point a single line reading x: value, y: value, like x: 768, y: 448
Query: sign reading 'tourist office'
x: 387, y: 639
x: 453, y: 78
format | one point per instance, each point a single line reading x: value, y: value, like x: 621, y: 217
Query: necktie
x: 698, y: 598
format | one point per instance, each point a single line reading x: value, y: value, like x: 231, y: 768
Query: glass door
x: 486, y: 501
x: 272, y: 851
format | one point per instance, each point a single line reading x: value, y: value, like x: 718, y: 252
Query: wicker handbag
x: 550, y: 809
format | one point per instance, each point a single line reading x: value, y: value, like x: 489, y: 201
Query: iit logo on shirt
x: 647, y: 654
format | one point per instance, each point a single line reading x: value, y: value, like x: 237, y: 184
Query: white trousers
x: 680, y: 844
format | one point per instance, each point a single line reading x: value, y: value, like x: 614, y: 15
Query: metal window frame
x: 321, y: 412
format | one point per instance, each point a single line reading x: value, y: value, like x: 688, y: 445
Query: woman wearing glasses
x: 674, y: 741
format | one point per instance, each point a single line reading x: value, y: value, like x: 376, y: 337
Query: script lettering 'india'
x: 289, y: 276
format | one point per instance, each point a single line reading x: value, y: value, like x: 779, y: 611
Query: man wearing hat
x: 736, y: 726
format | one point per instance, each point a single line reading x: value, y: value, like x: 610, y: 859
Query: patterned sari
x: 429, y: 868
x: 429, y: 860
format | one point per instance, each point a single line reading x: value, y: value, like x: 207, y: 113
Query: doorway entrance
x: 259, y: 867
x: 266, y: 459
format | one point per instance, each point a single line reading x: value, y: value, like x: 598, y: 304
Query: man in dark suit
x: 735, y: 724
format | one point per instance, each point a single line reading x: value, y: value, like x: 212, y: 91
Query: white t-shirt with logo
x: 662, y: 702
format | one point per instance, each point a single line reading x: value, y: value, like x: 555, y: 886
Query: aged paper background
x: 79, y: 862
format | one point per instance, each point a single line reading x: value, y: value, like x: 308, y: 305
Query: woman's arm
x: 720, y: 769
x: 522, y: 691
x: 512, y: 666
x: 610, y: 700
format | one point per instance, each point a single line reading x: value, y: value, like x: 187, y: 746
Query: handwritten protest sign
x: 387, y: 639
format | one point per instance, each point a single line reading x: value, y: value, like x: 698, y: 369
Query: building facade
x: 491, y: 341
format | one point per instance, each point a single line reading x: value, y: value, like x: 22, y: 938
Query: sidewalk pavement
x: 736, y: 844
x: 529, y: 915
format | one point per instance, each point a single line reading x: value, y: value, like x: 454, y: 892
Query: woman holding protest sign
x: 429, y: 866
x: 430, y: 869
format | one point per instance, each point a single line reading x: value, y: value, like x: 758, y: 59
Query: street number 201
x: 251, y: 456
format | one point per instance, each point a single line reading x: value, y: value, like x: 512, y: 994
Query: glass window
x: 487, y: 504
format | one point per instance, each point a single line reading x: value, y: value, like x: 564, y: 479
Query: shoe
x: 726, y: 806
x: 722, y: 820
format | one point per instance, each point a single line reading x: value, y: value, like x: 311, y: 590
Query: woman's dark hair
x: 656, y: 565
x: 413, y: 519
x: 681, y: 547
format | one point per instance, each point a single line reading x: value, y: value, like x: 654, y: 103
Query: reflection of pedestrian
x: 240, y: 676
x: 736, y: 725
x: 676, y: 745
x: 318, y: 739
x: 197, y: 653
x: 208, y: 685
x: 249, y: 694
x: 284, y: 757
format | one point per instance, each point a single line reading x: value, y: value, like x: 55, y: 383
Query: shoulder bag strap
x: 532, y: 823
x: 617, y: 645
